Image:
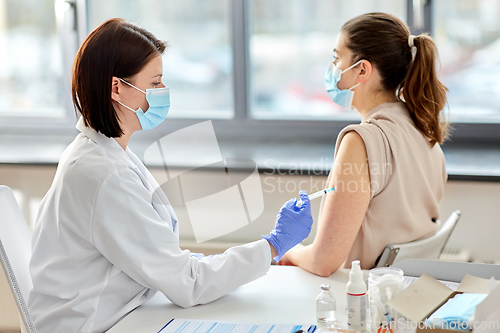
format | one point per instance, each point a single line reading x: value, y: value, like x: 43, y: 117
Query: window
x: 468, y: 36
x: 290, y: 47
x: 256, y: 67
x: 31, y: 61
x: 198, y: 65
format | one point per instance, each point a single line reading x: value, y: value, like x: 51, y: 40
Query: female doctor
x: 101, y: 245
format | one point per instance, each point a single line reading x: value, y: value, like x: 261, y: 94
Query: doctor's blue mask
x: 332, y: 77
x: 159, y: 104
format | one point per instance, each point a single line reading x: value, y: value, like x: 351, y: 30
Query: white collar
x: 110, y: 145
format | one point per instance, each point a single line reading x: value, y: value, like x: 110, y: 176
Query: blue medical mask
x: 458, y: 312
x: 341, y: 97
x: 159, y: 104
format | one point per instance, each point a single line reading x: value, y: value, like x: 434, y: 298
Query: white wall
x: 478, y: 229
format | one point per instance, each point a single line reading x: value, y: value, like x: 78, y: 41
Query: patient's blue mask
x: 341, y: 97
x: 159, y: 104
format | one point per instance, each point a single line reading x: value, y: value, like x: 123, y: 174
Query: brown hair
x: 115, y: 48
x: 382, y: 39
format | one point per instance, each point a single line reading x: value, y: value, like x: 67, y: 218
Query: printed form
x: 203, y: 326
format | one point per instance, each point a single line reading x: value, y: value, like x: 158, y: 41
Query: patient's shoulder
x: 353, y: 139
x: 351, y: 147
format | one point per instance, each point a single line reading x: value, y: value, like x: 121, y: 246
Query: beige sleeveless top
x: 407, y: 182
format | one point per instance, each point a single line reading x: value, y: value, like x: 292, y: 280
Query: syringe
x: 317, y: 194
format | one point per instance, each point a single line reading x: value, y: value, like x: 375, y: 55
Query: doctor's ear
x: 365, y: 70
x: 115, y: 88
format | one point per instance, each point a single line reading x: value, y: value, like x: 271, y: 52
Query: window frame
x: 73, y: 26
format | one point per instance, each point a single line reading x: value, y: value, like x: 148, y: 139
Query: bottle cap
x: 325, y: 287
x: 355, y: 275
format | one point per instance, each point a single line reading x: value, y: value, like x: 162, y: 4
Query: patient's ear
x: 365, y: 71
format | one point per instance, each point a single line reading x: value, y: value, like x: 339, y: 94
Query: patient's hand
x: 285, y: 261
x: 288, y: 258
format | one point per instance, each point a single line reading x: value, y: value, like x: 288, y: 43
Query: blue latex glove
x: 293, y: 224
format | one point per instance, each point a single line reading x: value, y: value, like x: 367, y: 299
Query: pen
x: 317, y: 194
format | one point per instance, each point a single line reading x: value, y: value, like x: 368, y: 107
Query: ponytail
x: 423, y: 93
x: 383, y: 40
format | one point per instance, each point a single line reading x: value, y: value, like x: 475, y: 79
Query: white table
x: 286, y: 295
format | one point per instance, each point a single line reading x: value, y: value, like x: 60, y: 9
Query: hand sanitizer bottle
x: 326, y: 305
x: 356, y: 298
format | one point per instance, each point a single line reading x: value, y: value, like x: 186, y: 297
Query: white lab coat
x: 102, y: 246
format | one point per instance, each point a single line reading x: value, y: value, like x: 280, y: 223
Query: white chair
x: 427, y: 248
x: 15, y: 253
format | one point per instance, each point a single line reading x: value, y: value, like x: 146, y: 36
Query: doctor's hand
x: 293, y: 224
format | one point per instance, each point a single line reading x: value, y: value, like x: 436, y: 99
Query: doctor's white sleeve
x: 128, y: 231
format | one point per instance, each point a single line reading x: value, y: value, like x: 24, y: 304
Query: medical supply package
x: 421, y: 299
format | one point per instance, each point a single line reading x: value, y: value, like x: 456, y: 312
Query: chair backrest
x: 15, y: 253
x: 427, y: 248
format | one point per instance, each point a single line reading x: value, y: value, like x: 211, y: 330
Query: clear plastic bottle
x: 326, y: 305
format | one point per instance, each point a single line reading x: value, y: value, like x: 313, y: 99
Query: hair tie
x: 411, y: 38
x: 411, y: 43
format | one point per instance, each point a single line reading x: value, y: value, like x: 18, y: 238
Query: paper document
x: 206, y: 326
x: 410, y: 279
